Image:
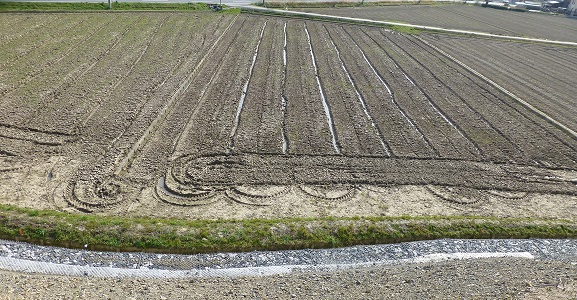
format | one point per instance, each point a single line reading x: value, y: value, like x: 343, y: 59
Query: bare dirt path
x: 515, y: 278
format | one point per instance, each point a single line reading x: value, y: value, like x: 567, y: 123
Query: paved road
x: 227, y: 2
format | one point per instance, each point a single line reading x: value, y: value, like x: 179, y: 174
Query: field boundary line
x: 527, y: 105
x: 179, y: 92
x: 255, y: 9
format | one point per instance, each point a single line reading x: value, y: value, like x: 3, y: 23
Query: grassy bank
x: 79, y: 6
x: 201, y: 236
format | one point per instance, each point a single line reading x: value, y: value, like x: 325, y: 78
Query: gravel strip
x: 25, y: 257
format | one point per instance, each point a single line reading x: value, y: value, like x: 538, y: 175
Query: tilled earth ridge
x: 264, y: 117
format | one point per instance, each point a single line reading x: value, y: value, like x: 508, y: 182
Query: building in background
x: 572, y: 8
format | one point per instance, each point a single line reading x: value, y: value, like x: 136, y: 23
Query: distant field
x: 467, y: 17
x: 540, y: 74
x: 209, y: 116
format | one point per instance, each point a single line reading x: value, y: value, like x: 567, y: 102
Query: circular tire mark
x: 458, y: 195
x: 328, y: 192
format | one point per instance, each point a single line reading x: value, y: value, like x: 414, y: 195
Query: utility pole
x: 109, y: 4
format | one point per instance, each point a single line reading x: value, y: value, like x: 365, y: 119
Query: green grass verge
x: 83, y: 6
x: 202, y: 236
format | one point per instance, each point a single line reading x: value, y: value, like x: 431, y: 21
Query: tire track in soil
x: 361, y: 101
x: 92, y: 189
x: 393, y: 98
x: 148, y: 110
x: 17, y: 29
x: 326, y: 107
x: 14, y: 109
x: 42, y: 128
x: 435, y: 125
x: 49, y: 97
x: 132, y: 130
x: 125, y: 75
x: 48, y: 37
x: 128, y: 73
x: 150, y: 156
x: 260, y: 128
x: 244, y: 90
x: 181, y: 141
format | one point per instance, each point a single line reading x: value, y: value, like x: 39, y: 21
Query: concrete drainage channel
x: 23, y: 257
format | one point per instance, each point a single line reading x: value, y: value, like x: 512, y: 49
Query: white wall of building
x: 572, y: 9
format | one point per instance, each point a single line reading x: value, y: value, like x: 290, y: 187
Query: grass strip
x: 105, y: 233
x: 83, y: 6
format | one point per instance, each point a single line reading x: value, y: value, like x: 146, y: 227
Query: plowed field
x: 466, y: 17
x: 231, y: 116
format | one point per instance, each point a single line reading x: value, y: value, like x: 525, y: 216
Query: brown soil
x: 197, y: 115
x: 466, y: 17
x: 503, y: 278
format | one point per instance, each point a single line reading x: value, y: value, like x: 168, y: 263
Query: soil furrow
x: 404, y: 137
x: 336, y: 144
x: 306, y: 124
x: 245, y: 89
x: 436, y: 125
x: 362, y: 102
x: 211, y: 122
x: 356, y: 134
x: 495, y: 145
x: 261, y: 126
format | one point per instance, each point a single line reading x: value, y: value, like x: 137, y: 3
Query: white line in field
x: 360, y: 98
x: 323, y: 99
x: 245, y: 89
x: 283, y: 99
